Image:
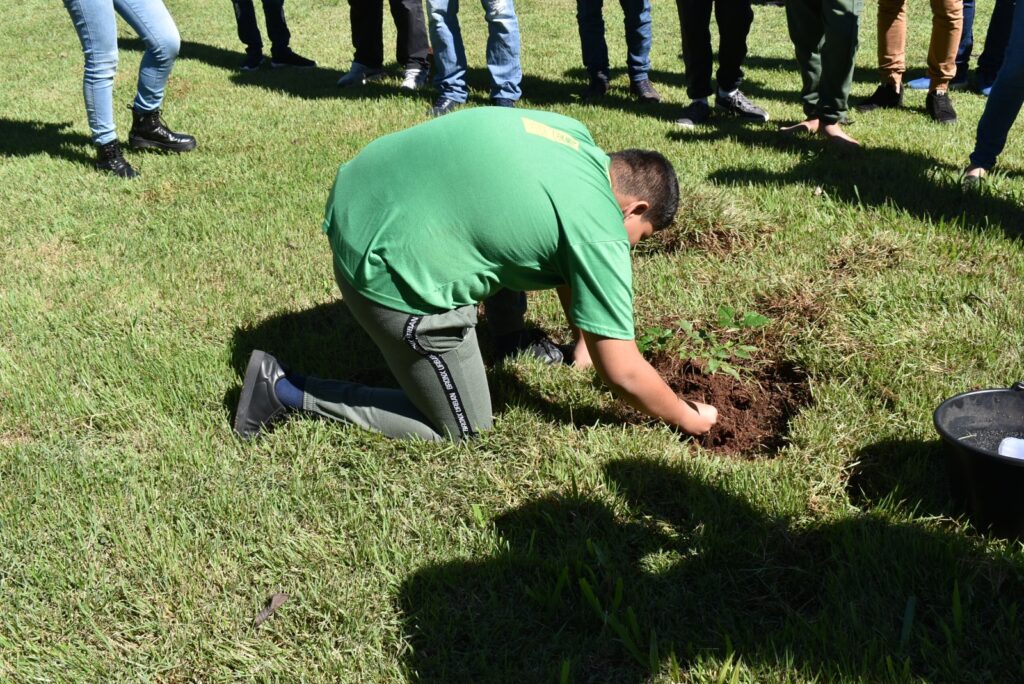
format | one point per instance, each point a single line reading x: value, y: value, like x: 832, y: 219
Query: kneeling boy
x: 427, y: 222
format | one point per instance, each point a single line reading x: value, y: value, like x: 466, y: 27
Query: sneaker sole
x: 282, y: 65
x: 141, y: 144
x: 244, y: 401
x: 752, y: 119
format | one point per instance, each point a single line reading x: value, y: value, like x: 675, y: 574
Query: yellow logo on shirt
x: 543, y: 130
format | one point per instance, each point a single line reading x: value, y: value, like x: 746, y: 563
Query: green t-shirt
x: 446, y: 213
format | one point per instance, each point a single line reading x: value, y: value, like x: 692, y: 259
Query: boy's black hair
x: 647, y: 175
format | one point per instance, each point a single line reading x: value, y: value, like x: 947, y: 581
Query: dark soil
x: 753, y: 412
x: 988, y: 440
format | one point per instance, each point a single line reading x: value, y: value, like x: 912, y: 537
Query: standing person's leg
x: 806, y: 24
x: 892, y: 42
x: 412, y: 48
x: 281, y: 53
x: 947, y: 26
x: 503, y: 51
x: 838, y: 54
x: 366, y: 18
x: 248, y: 28
x: 639, y: 36
x: 151, y: 20
x: 1004, y: 102
x: 695, y: 31
x: 97, y: 30
x: 594, y: 48
x: 966, y: 47
x: 734, y: 18
x: 449, y: 55
x: 997, y: 37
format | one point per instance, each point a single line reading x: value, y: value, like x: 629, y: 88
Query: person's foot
x: 738, y: 104
x: 805, y: 127
x: 940, y: 107
x: 502, y: 102
x: 259, y: 407
x: 984, y: 82
x: 644, y: 91
x: 252, y: 61
x: 597, y: 88
x: 415, y: 78
x: 694, y: 114
x: 109, y: 158
x: 837, y: 137
x: 443, y: 105
x: 973, y: 177
x: 959, y: 82
x: 532, y: 343
x: 290, y: 58
x: 358, y: 74
x: 886, y: 96
x: 150, y: 132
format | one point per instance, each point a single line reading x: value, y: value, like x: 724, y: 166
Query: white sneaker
x: 415, y: 78
x: 359, y: 74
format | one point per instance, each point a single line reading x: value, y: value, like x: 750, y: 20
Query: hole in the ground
x: 753, y: 411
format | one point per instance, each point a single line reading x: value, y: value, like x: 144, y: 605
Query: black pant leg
x: 277, y: 28
x: 248, y: 29
x: 412, y: 47
x: 367, y: 17
x: 695, y: 27
x: 734, y: 18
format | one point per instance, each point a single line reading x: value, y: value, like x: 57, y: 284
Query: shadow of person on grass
x: 909, y: 475
x: 870, y: 176
x: 677, y: 568
x: 28, y: 138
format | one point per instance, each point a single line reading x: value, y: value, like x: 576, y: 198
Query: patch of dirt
x: 753, y: 412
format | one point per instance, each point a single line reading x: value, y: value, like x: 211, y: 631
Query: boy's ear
x: 636, y: 208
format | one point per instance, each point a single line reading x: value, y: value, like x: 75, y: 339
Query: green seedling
x: 718, y: 349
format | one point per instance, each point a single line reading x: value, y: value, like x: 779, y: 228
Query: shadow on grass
x: 29, y: 138
x: 906, y: 474
x: 680, y: 569
x: 871, y: 176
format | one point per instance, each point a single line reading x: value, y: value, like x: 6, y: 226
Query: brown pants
x: 947, y: 24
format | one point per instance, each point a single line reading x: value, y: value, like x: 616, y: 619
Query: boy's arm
x: 581, y: 355
x: 624, y: 368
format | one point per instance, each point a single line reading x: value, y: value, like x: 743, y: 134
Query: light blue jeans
x: 450, y: 55
x: 1005, y: 100
x: 97, y: 30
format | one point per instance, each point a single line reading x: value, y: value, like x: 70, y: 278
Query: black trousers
x: 734, y: 18
x: 249, y: 30
x: 411, y: 48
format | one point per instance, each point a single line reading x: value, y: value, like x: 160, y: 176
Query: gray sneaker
x: 694, y: 114
x: 739, y: 105
x: 358, y: 74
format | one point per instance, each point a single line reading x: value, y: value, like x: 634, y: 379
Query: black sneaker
x: 885, y: 97
x: 258, y: 406
x: 940, y: 108
x: 740, y: 105
x: 252, y: 61
x: 109, y: 158
x: 529, y: 342
x: 694, y: 114
x: 290, y: 59
x: 597, y: 88
x: 443, y: 105
x: 502, y: 102
x: 644, y: 91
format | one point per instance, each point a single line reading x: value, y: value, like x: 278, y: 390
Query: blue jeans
x: 996, y: 39
x: 638, y: 37
x: 97, y: 30
x: 1005, y: 101
x: 450, y: 55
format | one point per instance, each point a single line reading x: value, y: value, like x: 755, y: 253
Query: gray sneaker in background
x: 739, y: 105
x: 358, y: 74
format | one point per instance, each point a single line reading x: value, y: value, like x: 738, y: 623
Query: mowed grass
x: 139, y: 538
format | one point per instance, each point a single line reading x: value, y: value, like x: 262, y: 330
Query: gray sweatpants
x: 436, y: 360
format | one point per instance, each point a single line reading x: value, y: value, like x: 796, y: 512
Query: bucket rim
x: 951, y: 440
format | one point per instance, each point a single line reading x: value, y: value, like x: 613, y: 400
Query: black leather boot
x: 150, y: 132
x: 109, y: 158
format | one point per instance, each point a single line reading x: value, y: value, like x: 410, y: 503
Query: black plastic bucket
x: 989, y: 486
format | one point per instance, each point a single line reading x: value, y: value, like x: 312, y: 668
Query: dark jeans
x: 367, y: 18
x: 733, y: 18
x: 637, y: 20
x: 997, y: 38
x: 249, y: 30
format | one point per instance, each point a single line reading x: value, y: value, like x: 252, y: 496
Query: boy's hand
x: 698, y: 418
x: 581, y: 355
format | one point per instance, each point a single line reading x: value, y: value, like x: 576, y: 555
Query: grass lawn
x: 139, y: 538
